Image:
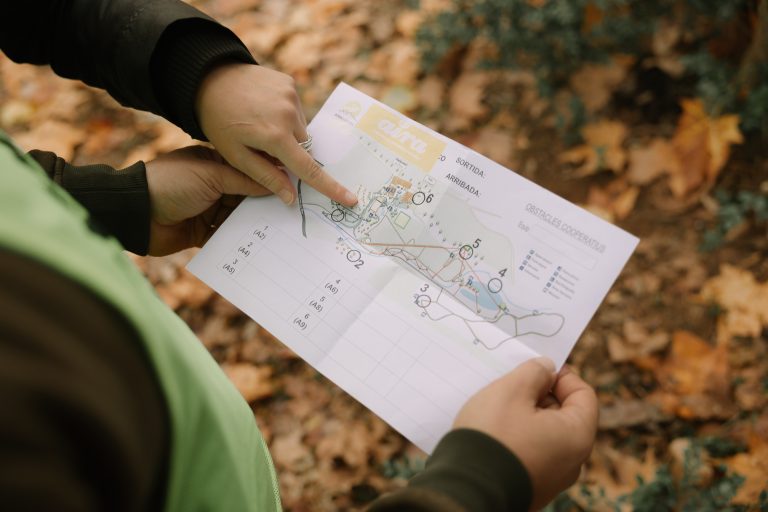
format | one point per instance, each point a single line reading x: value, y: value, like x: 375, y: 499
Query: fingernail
x: 286, y: 196
x: 545, y: 363
x: 350, y: 198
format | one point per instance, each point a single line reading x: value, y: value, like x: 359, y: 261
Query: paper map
x: 449, y: 272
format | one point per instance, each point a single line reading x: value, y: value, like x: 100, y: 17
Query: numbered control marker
x: 231, y: 266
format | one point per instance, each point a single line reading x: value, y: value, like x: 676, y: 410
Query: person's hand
x: 551, y: 434
x: 253, y: 117
x: 192, y: 191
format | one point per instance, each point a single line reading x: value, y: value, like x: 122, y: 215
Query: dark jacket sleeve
x: 469, y: 471
x: 148, y: 54
x: 117, y: 200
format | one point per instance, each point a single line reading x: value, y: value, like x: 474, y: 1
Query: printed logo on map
x: 410, y: 142
x: 351, y: 109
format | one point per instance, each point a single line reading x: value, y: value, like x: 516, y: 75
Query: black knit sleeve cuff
x: 117, y: 200
x: 187, y: 50
x: 477, y: 472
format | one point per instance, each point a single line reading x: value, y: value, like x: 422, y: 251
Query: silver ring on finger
x: 307, y: 144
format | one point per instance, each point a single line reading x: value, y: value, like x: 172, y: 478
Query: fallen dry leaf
x: 185, y: 290
x: 753, y: 466
x: 610, y: 474
x: 395, y: 63
x: 466, y: 96
x: 663, y: 42
x: 326, y: 10
x: 595, y: 83
x: 301, y: 52
x: 614, y: 201
x: 289, y: 452
x: 408, y: 22
x: 636, y: 342
x: 400, y: 98
x: 65, y: 105
x: 350, y: 442
x: 630, y: 413
x: 167, y: 138
x: 593, y: 16
x: 695, y: 379
x: 339, y: 51
x: 495, y: 143
x: 258, y: 35
x: 699, y: 474
x: 750, y: 393
x: 253, y: 382
x: 648, y: 162
x: 744, y: 299
x: 16, y: 113
x: 702, y: 145
x: 57, y: 136
x: 432, y: 6
x: 226, y: 8
x: 602, y: 148
x: 300, y: 18
x: 431, y: 93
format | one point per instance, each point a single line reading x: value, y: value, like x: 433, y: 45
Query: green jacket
x: 218, y: 458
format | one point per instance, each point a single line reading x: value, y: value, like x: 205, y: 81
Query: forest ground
x: 677, y: 352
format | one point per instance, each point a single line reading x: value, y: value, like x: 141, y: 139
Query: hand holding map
x: 448, y: 272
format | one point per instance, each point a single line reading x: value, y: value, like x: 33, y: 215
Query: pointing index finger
x: 304, y: 166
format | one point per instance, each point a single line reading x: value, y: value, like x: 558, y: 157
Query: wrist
x: 186, y: 53
x: 478, y: 472
x: 212, y: 86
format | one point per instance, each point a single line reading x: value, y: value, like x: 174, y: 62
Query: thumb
x: 531, y: 381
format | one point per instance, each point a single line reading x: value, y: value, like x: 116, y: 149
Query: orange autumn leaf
x: 301, y: 53
x: 695, y: 379
x: 290, y: 452
x: 431, y: 92
x: 408, y: 22
x: 646, y: 163
x: 466, y: 97
x: 253, y: 382
x: 663, y: 42
x: 610, y: 474
x: 495, y: 143
x: 613, y: 202
x: 693, y: 365
x: 602, y: 148
x: 395, y: 63
x: 744, y: 299
x: 595, y: 83
x: 593, y: 16
x: 702, y: 145
x: 753, y: 466
x: 52, y: 135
